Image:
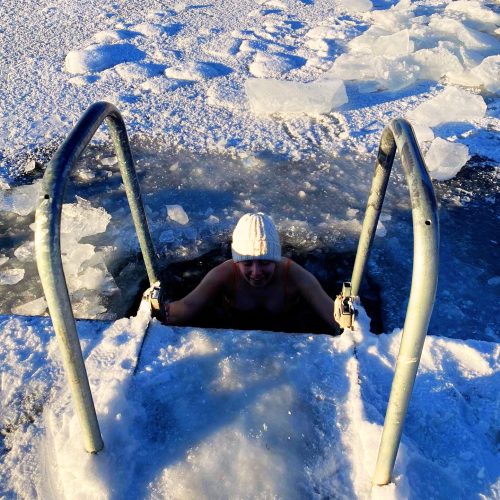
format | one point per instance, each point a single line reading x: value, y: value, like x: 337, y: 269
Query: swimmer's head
x: 255, y: 237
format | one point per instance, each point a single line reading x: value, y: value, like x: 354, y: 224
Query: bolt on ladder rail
x: 399, y: 135
x: 48, y: 249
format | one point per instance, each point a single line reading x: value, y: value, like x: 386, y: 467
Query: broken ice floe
x: 25, y: 252
x: 451, y: 105
x: 21, y: 200
x: 444, y: 159
x: 11, y: 276
x: 274, y: 96
x: 177, y: 214
x: 84, y: 267
x: 35, y: 307
x: 400, y: 48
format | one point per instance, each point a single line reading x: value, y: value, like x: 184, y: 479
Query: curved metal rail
x: 399, y: 135
x: 48, y: 249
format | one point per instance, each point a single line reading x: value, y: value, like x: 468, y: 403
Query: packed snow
x: 237, y: 106
x: 226, y: 414
x: 183, y: 72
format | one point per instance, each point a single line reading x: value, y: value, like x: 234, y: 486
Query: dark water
x: 318, y: 206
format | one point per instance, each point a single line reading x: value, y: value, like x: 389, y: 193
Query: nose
x: 256, y: 269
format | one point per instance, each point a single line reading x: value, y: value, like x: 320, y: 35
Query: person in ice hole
x: 256, y: 289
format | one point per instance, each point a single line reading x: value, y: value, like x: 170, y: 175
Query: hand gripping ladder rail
x: 48, y: 249
x: 399, y: 135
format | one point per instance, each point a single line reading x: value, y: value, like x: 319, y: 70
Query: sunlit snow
x: 232, y: 107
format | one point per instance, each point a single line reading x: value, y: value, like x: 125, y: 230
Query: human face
x: 258, y: 273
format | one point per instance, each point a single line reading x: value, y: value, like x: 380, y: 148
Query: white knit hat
x: 255, y: 238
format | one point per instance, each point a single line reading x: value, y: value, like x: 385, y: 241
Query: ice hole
x: 329, y: 267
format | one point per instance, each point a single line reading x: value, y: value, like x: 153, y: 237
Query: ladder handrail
x: 399, y: 135
x: 48, y: 249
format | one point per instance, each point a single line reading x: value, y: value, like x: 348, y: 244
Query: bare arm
x: 181, y: 311
x: 312, y: 291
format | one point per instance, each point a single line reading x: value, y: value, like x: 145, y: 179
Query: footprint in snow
x: 138, y: 71
x: 96, y: 58
x: 110, y: 36
x: 273, y: 4
x: 197, y: 71
x: 273, y: 65
x: 154, y: 29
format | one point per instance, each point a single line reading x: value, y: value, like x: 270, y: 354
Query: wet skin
x: 258, y: 273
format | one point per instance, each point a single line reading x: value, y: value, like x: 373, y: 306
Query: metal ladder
x: 48, y: 249
x: 398, y: 135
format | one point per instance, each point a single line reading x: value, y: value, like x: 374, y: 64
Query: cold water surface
x: 318, y: 206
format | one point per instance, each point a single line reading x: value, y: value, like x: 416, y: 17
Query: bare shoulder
x: 298, y: 273
x: 221, y: 273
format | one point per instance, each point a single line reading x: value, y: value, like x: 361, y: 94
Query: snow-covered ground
x: 235, y: 106
x: 182, y: 72
x: 226, y: 414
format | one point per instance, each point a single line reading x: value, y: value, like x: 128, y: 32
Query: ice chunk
x: 488, y: 73
x: 34, y: 308
x: 3, y: 259
x: 381, y: 231
x: 21, y: 200
x: 11, y: 276
x: 444, y: 159
x: 356, y: 5
x: 109, y: 161
x: 88, y: 306
x: 94, y: 278
x: 423, y: 132
x: 212, y: 219
x: 435, y: 63
x: 397, y: 17
x: 452, y: 105
x: 177, y: 214
x: 82, y: 219
x: 96, y: 58
x: 73, y: 256
x: 397, y: 44
x: 471, y: 39
x: 376, y: 72
x: 275, y: 96
x: 30, y: 165
x: 474, y: 10
x: 25, y: 252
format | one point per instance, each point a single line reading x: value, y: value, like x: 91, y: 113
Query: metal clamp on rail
x: 347, y: 311
x: 48, y: 249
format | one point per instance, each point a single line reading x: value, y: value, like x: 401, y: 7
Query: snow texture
x: 213, y: 414
x: 296, y: 92
x: 179, y: 72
